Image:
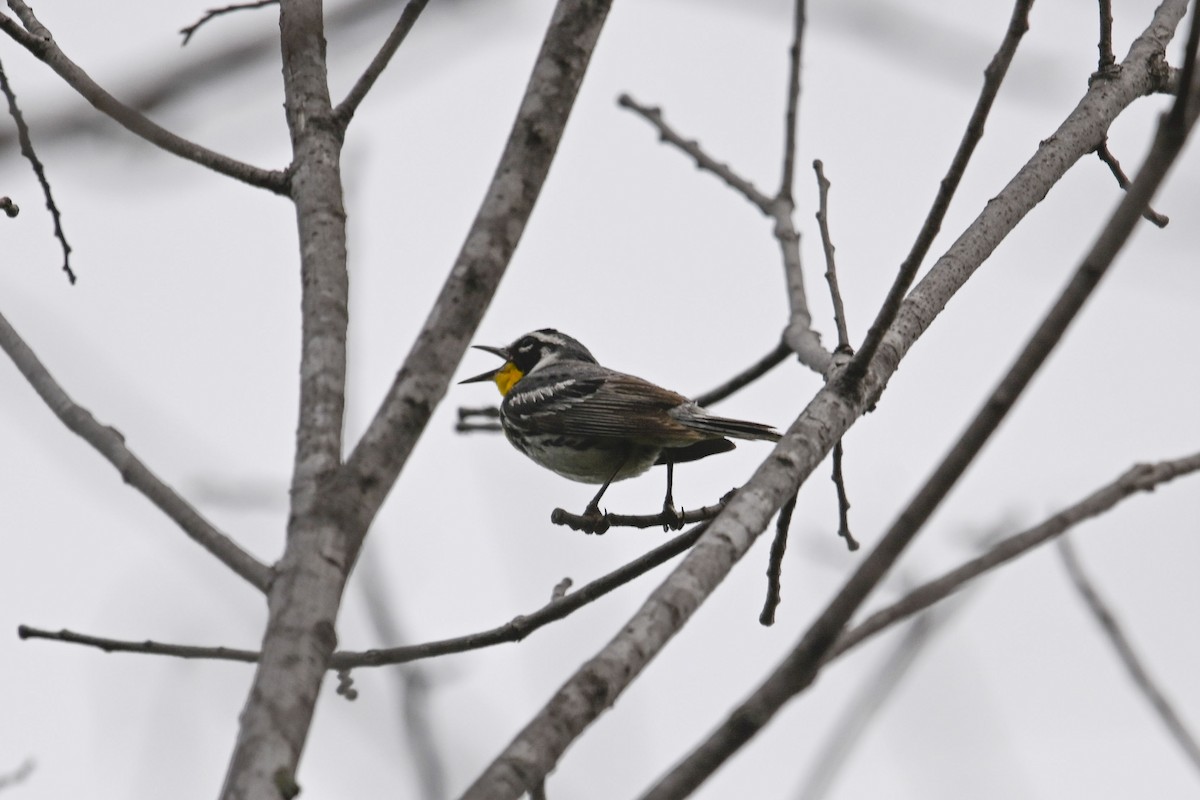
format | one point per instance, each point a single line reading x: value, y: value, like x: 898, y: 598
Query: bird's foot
x: 592, y: 520
x: 671, y: 516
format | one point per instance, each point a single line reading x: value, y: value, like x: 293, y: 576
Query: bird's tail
x: 700, y: 420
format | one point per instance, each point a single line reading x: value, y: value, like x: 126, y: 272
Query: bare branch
x: 598, y: 682
x: 323, y: 536
x: 37, y: 40
x: 213, y: 13
x: 146, y: 646
x: 111, y: 444
x: 775, y: 563
x: 793, y: 102
x: 561, y: 605
x: 839, y: 310
x: 993, y: 76
x: 1114, y: 166
x: 1107, y: 58
x: 38, y: 170
x: 408, y: 17
x: 1125, y: 651
x: 704, y: 161
x: 839, y: 481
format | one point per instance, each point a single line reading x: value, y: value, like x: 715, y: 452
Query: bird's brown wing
x: 612, y: 405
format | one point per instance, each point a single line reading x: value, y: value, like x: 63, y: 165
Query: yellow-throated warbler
x: 596, y: 425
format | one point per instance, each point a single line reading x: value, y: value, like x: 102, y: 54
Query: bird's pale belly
x: 586, y: 461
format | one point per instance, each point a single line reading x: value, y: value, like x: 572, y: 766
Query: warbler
x: 595, y: 425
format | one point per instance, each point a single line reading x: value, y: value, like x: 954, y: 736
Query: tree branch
x: 37, y: 40
x: 408, y: 17
x: 560, y: 606
x: 38, y: 170
x: 596, y: 685
x: 1114, y: 166
x: 213, y: 13
x: 323, y: 536
x: 111, y: 444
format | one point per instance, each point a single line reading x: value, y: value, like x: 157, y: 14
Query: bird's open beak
x: 491, y: 373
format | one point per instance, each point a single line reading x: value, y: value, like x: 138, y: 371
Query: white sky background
x: 183, y: 334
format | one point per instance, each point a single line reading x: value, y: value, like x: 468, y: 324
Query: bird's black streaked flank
x: 596, y: 425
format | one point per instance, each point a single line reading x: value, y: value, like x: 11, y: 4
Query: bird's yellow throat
x: 506, y: 377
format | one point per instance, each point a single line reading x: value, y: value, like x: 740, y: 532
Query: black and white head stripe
x: 544, y: 347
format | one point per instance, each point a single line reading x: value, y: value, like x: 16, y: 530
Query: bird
x: 592, y: 424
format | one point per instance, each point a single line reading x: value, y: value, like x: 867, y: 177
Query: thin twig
x: 993, y: 76
x: 38, y: 170
x: 111, y: 444
x: 408, y: 17
x: 704, y: 161
x: 212, y: 13
x: 465, y: 414
x: 145, y: 646
x: 839, y: 310
x: 1108, y: 59
x: 800, y: 668
x: 775, y: 563
x: 839, y: 481
x: 35, y: 38
x: 1125, y: 651
x: 1114, y: 166
x: 790, y: 137
x: 517, y: 629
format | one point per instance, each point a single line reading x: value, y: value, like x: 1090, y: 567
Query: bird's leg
x: 596, y: 523
x: 671, y: 517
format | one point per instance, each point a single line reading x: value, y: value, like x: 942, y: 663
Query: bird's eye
x: 525, y: 347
